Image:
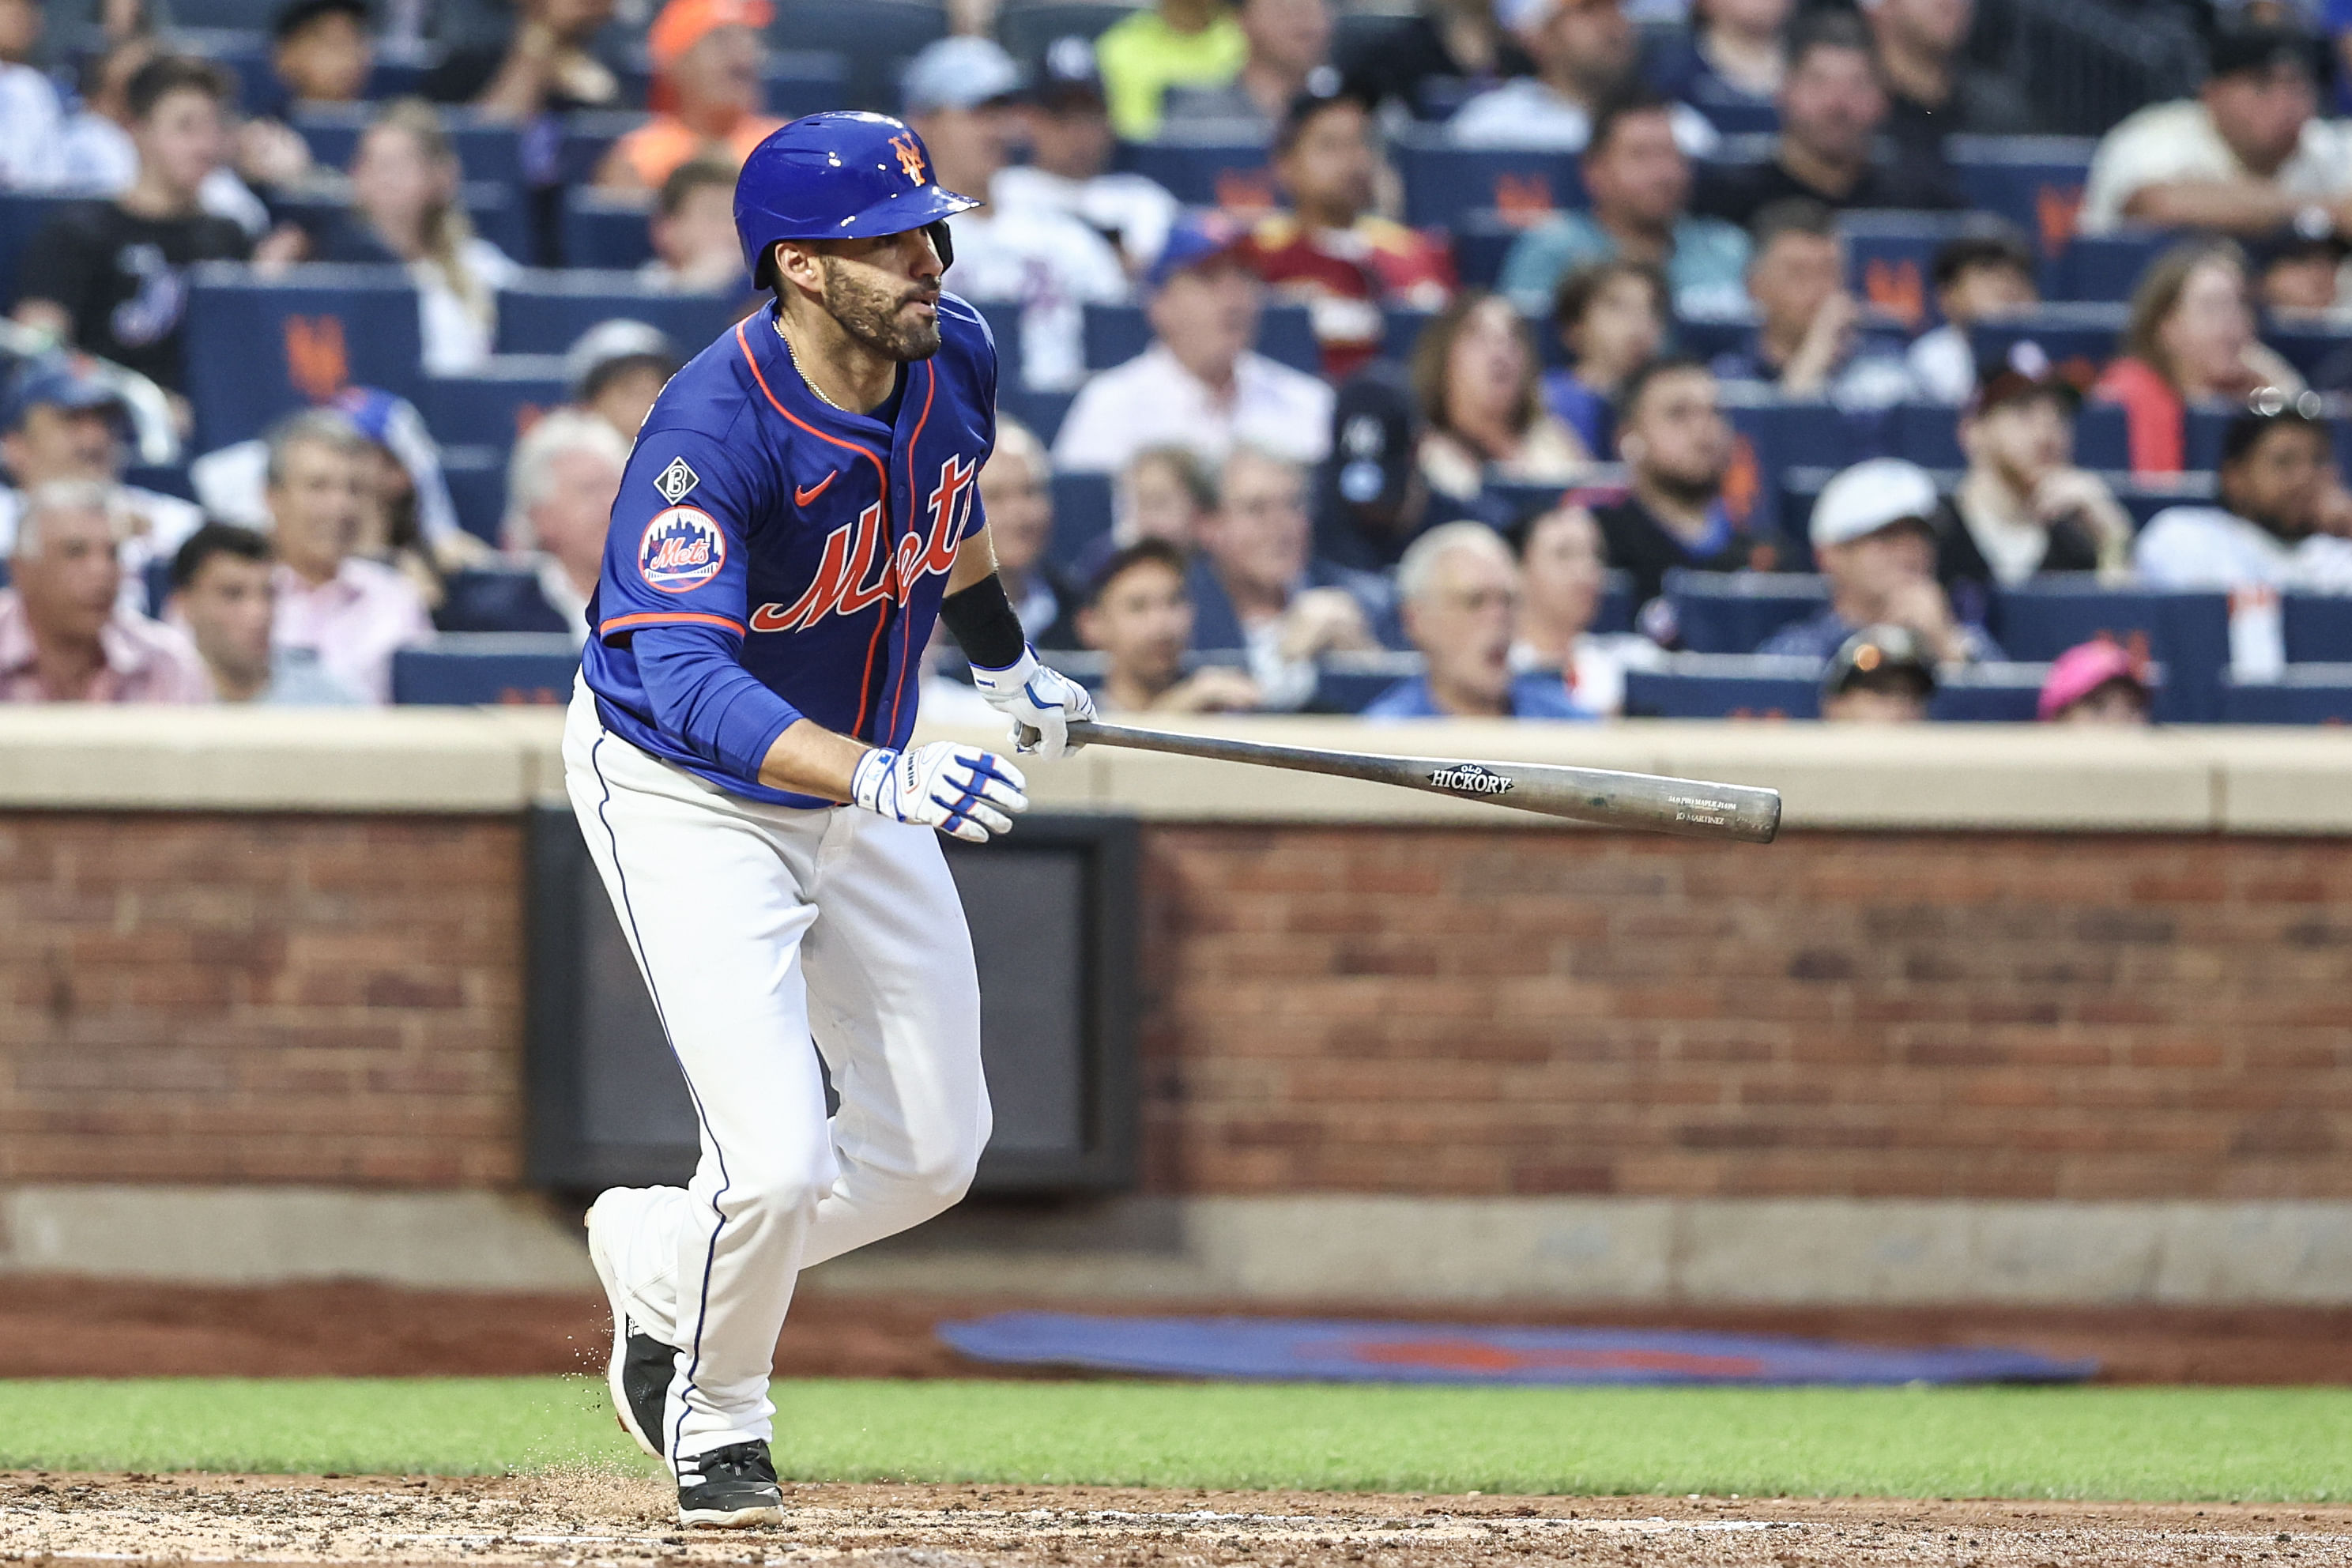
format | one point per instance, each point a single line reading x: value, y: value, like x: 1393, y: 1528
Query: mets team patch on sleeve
x: 682, y: 550
x: 676, y: 481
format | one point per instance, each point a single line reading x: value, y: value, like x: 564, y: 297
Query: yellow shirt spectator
x: 1144, y: 56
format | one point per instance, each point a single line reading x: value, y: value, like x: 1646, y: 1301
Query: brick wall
x: 1917, y: 1016
x: 230, y: 998
x: 1394, y: 1010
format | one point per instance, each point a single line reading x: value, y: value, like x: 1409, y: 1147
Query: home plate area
x: 590, y: 1517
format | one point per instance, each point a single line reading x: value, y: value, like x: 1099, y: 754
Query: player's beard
x: 877, y: 316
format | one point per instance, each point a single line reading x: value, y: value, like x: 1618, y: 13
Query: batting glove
x: 1040, y: 703
x: 962, y: 791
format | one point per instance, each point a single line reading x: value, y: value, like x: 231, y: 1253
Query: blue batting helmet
x: 842, y: 175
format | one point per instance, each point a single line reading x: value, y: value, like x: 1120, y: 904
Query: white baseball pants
x: 767, y: 936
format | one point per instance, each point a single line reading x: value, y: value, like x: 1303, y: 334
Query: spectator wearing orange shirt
x: 707, y: 56
x: 1331, y: 250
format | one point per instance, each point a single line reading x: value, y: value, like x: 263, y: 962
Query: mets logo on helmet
x: 911, y: 156
x: 682, y: 550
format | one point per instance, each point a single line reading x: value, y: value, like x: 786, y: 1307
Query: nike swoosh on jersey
x: 803, y: 497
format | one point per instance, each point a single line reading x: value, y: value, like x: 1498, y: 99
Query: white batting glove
x: 1040, y: 701
x: 962, y: 791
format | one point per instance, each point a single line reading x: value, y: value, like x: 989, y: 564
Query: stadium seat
x: 466, y: 669
x: 1735, y: 612
x: 493, y: 405
x: 793, y: 81
x: 2188, y: 634
x: 1082, y: 508
x: 2144, y: 497
x: 496, y: 599
x: 874, y: 39
x: 604, y: 231
x: 497, y: 212
x: 1117, y: 333
x: 1404, y: 325
x: 2106, y: 266
x: 1042, y: 412
x: 1709, y: 686
x: 546, y: 312
x: 2318, y: 628
x: 22, y: 216
x: 587, y: 137
x: 1205, y: 173
x: 487, y: 149
x: 1706, y: 338
x: 1615, y: 613
x: 1026, y: 27
x: 477, y: 487
x: 1003, y: 319
x: 2081, y: 337
x: 1988, y: 694
x: 257, y: 349
x: 1482, y: 243
x: 173, y: 481
x: 2035, y: 182
x: 2302, y: 694
x: 1347, y: 682
x: 1928, y: 434
x: 1890, y: 260
x: 2305, y: 345
x: 1444, y: 184
x: 1734, y: 116
x: 1791, y: 432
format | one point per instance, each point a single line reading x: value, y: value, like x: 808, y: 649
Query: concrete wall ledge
x: 1957, y: 777
x: 1418, y: 1251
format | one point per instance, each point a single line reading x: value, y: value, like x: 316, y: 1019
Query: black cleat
x: 641, y: 1366
x: 732, y: 1487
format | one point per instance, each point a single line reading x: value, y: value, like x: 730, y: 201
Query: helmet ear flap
x: 943, y: 241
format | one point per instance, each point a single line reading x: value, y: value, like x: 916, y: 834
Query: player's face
x: 228, y: 609
x: 885, y: 292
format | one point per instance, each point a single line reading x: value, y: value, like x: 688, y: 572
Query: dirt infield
x: 593, y: 1518
x: 84, y: 1328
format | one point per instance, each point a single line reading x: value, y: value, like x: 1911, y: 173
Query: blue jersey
x: 817, y: 542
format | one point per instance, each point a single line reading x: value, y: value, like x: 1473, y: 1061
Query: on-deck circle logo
x: 682, y: 550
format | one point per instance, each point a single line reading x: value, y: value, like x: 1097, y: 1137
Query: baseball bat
x: 1689, y: 807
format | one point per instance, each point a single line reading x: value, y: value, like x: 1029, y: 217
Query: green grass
x: 2271, y: 1445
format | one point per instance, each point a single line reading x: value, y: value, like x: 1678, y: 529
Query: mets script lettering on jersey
x: 682, y: 550
x: 848, y: 579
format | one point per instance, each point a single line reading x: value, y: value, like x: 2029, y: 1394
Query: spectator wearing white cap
x: 1200, y: 385
x: 1067, y: 125
x: 960, y: 96
x: 1873, y: 540
x: 617, y: 369
x: 1585, y: 51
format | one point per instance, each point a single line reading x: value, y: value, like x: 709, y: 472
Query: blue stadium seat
x: 793, y: 81
x: 1082, y: 504
x: 1890, y: 260
x: 1482, y: 243
x: 2188, y: 634
x: 2035, y: 182
x: 1928, y: 434
x: 470, y: 668
x: 1617, y: 607
x: 1026, y: 27
x: 258, y: 349
x: 1990, y: 694
x: 2318, y: 628
x: 604, y: 231
x: 1735, y: 117
x: 22, y: 216
x: 1117, y: 333
x: 492, y: 407
x: 496, y: 599
x: 1708, y: 686
x: 2305, y: 694
x: 173, y: 481
x: 1042, y: 412
x: 1405, y: 323
x: 587, y: 138
x: 1444, y: 184
x: 477, y: 487
x: 1003, y: 319
x: 1793, y: 432
x: 2303, y: 345
x: 547, y: 311
x: 1205, y: 173
x: 1348, y: 683
x: 1705, y: 337
x: 2144, y: 497
x: 2079, y: 335
x: 2105, y: 265
x: 487, y: 149
x: 498, y: 211
x: 1735, y: 612
x: 244, y: 53
x: 874, y: 37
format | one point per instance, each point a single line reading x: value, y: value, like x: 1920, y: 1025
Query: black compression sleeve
x: 983, y: 624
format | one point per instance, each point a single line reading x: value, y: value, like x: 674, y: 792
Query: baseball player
x: 801, y: 505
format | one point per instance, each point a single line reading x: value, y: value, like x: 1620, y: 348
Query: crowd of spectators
x: 1456, y: 507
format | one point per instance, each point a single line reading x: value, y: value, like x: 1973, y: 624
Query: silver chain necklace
x: 778, y: 322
